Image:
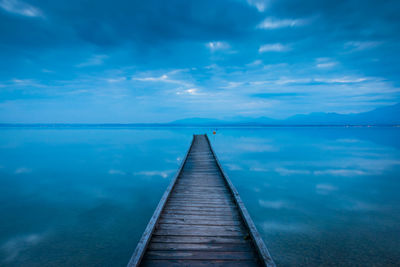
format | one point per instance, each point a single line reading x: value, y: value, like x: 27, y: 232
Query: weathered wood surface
x: 200, y: 220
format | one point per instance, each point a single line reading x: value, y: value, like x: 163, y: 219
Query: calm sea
x: 83, y: 196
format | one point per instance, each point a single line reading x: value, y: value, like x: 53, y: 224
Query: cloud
x: 116, y: 80
x: 190, y: 91
x: 162, y: 78
x: 14, y: 246
x: 277, y: 204
x: 277, y: 47
x: 254, y: 147
x: 341, y: 172
x: 255, y: 63
x: 233, y: 167
x: 342, y: 80
x: 274, y: 23
x: 325, y: 63
x: 261, y: 5
x: 26, y: 83
x: 361, y: 45
x: 215, y: 46
x: 283, y: 227
x: 116, y: 172
x: 324, y: 189
x: 94, y: 60
x: 142, y: 47
x: 163, y: 174
x: 258, y: 169
x: 231, y: 85
x: 20, y: 8
x: 287, y: 172
x: 165, y: 78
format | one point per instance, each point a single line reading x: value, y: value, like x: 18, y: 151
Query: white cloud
x: 285, y: 80
x: 273, y: 23
x: 116, y: 80
x: 286, y: 172
x: 256, y: 147
x: 95, y: 60
x: 26, y: 82
x: 324, y: 62
x: 324, y: 189
x: 233, y: 167
x: 341, y: 80
x: 326, y: 65
x: 231, y: 85
x: 341, y: 172
x: 255, y: 63
x: 163, y: 174
x: 261, y: 5
x: 327, y: 187
x: 283, y: 227
x: 364, y: 45
x: 20, y: 8
x: 190, y: 91
x: 258, y: 169
x: 277, y: 47
x: 116, y: 172
x: 277, y: 204
x: 214, y: 46
x: 164, y: 79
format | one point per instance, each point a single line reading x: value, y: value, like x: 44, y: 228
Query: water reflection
x: 319, y: 196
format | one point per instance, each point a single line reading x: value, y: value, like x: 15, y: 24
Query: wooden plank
x: 205, y: 209
x: 144, y: 240
x: 214, y: 197
x: 199, y: 263
x: 195, y: 232
x: 206, y: 213
x: 202, y: 202
x: 205, y: 228
x: 201, y: 192
x: 201, y: 186
x: 206, y: 247
x: 199, y: 239
x: 200, y: 205
x: 200, y: 255
x: 199, y: 222
x: 200, y: 198
x: 200, y: 217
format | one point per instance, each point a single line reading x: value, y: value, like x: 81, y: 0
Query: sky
x: 86, y: 61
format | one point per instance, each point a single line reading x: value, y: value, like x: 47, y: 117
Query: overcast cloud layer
x: 157, y: 61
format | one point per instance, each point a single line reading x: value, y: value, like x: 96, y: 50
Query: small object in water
x: 214, y: 132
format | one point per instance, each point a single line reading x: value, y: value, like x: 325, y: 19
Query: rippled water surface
x: 83, y: 196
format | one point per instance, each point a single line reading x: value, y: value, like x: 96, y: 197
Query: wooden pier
x: 201, y: 220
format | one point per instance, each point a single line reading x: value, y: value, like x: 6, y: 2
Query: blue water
x: 83, y: 196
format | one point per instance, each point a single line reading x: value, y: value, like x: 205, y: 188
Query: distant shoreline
x: 173, y: 125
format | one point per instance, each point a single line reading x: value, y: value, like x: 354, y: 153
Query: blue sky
x: 157, y: 61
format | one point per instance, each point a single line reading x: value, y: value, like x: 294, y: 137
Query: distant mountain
x: 389, y: 115
x: 197, y: 121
